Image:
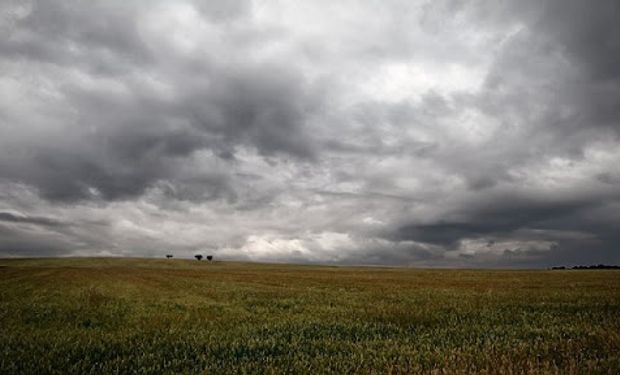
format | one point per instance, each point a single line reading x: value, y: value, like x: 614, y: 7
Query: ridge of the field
x: 179, y: 262
x: 145, y: 315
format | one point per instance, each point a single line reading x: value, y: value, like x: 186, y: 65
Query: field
x: 79, y: 316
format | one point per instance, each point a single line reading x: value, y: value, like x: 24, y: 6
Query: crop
x: 147, y: 316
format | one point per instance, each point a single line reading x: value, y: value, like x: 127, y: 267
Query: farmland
x: 77, y: 316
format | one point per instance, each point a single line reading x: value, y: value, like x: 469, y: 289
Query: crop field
x: 151, y: 316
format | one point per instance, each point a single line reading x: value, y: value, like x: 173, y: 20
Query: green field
x: 79, y: 316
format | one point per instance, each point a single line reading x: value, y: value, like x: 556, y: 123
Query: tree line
x: 591, y: 267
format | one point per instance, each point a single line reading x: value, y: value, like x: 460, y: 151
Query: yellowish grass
x: 174, y: 316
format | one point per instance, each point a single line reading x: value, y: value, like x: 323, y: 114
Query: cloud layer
x: 429, y: 133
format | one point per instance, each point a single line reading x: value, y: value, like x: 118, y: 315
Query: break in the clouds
x: 430, y: 133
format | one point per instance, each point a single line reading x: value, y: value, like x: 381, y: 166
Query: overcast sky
x: 414, y: 133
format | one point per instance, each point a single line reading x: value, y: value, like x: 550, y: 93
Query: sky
x: 439, y: 133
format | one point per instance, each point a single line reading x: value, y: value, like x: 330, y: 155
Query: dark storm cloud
x: 32, y: 235
x: 468, y: 133
x: 36, y: 220
x: 128, y: 137
x: 575, y: 35
x: 553, y: 83
x: 264, y: 106
x: 505, y: 215
x: 398, y: 254
x: 589, y: 32
x: 25, y: 245
x: 98, y: 37
x: 590, y: 35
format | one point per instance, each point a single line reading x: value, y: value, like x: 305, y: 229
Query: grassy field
x: 78, y: 316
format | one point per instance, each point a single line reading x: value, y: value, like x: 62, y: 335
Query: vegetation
x: 80, y: 316
x: 592, y: 267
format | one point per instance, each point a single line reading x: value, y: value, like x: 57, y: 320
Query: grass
x: 80, y: 316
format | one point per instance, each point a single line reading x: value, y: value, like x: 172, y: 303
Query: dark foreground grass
x: 79, y: 316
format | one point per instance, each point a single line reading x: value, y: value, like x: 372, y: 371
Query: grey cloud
x: 32, y: 236
x: 501, y: 216
x: 36, y: 220
x: 224, y: 11
x: 128, y: 137
x: 464, y: 133
x: 551, y: 85
x: 101, y: 37
x: 590, y: 33
x: 264, y: 106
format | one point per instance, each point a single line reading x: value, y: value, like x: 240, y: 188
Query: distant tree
x: 198, y: 256
x: 169, y: 256
x: 209, y: 257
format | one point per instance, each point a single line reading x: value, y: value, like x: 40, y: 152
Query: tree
x: 209, y: 257
x: 168, y: 256
x: 198, y: 256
